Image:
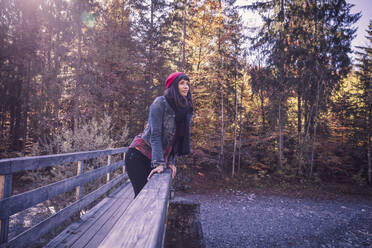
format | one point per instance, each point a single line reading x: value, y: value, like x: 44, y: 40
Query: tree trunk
x: 280, y: 145
x: 151, y: 43
x: 12, y: 111
x: 184, y: 38
x: 306, y: 115
x: 199, y: 56
x: 221, y: 156
x: 369, y: 161
x: 315, y: 120
x: 312, y: 152
x: 78, y: 71
x: 240, y: 125
x: 281, y: 86
x: 2, y: 121
x: 299, y: 115
x: 262, y: 111
x: 369, y: 128
x: 17, y: 119
x: 299, y: 130
x: 235, y: 127
x: 26, y: 106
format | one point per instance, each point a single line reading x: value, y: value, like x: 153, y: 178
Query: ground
x: 246, y: 211
x: 271, y: 213
x: 207, y: 179
x: 249, y: 219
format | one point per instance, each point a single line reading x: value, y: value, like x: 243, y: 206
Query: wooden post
x: 124, y: 160
x: 109, y: 158
x: 5, y: 191
x: 80, y: 170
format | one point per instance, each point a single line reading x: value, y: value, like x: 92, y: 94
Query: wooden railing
x: 12, y: 204
x: 144, y: 222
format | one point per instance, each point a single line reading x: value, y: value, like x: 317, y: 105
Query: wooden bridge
x: 116, y: 221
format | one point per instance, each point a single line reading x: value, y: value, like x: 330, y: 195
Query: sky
x: 364, y: 6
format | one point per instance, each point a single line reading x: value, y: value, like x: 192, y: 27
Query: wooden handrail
x: 13, y: 165
x: 17, y: 203
x: 5, y: 191
x: 10, y: 205
x: 143, y: 224
x: 33, y: 234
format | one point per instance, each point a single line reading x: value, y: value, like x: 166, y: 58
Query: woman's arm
x: 156, y: 125
x: 172, y: 165
x: 160, y: 169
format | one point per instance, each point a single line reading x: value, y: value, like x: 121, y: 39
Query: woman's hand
x: 158, y: 169
x: 174, y: 170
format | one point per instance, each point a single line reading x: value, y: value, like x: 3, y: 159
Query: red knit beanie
x: 174, y: 78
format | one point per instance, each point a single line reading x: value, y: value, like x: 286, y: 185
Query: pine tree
x: 148, y: 19
x: 308, y: 45
x: 365, y: 75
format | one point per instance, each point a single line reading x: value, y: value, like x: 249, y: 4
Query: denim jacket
x: 159, y: 134
x: 160, y: 131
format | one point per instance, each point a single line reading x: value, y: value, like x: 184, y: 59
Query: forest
x: 281, y: 100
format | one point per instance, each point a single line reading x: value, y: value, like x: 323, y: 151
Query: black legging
x: 138, y: 168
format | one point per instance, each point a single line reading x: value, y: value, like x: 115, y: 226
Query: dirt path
x: 243, y: 219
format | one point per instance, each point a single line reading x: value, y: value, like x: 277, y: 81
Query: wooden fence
x: 12, y: 204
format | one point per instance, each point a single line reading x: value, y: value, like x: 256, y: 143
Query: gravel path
x: 237, y: 219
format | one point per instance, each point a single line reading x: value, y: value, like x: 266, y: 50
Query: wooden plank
x: 109, y: 158
x: 96, y: 235
x: 5, y: 186
x: 80, y: 170
x: 33, y: 234
x: 143, y: 224
x: 101, y: 205
x: 102, y: 226
x: 69, y: 235
x: 124, y: 165
x: 93, y: 221
x: 13, y: 165
x: 5, y: 191
x: 119, y: 150
x: 17, y: 203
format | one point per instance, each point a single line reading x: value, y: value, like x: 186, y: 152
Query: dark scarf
x: 182, y: 126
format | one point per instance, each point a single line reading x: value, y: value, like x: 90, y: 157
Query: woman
x: 166, y: 136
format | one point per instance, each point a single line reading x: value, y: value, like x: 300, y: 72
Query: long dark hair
x: 180, y: 100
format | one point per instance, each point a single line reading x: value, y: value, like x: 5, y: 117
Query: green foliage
x: 352, y: 109
x: 307, y: 46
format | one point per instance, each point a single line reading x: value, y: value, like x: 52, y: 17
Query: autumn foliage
x: 281, y: 100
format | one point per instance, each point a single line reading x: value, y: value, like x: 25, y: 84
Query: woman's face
x: 183, y: 87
